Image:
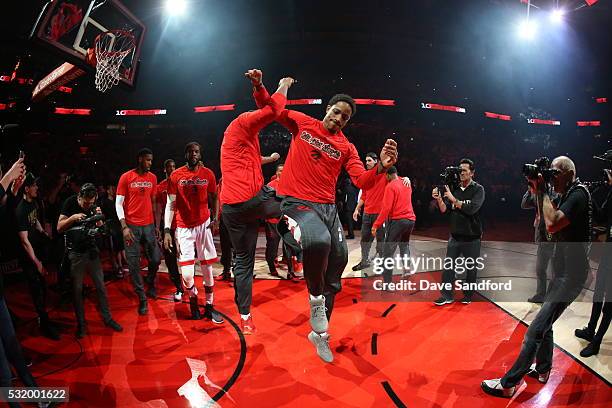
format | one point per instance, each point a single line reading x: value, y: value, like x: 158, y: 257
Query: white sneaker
x: 494, y: 387
x: 318, y: 317
x: 543, y: 378
x: 321, y: 342
x: 178, y: 296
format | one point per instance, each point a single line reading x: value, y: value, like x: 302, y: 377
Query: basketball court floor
x: 388, y: 351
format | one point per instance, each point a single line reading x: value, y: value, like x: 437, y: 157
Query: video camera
x: 82, y: 235
x: 603, y: 180
x: 539, y: 166
x: 451, y: 177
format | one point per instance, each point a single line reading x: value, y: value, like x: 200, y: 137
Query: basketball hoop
x: 111, y: 48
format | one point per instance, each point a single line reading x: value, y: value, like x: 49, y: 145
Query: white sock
x: 245, y: 317
x: 316, y: 297
x: 207, y: 274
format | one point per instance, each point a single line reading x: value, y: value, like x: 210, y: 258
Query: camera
x: 82, y: 235
x: 539, y: 166
x: 451, y: 177
x: 603, y: 179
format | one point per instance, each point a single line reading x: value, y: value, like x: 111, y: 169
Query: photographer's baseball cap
x: 30, y: 180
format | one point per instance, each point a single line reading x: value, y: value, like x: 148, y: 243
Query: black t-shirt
x: 27, y: 214
x: 77, y: 241
x: 575, y: 206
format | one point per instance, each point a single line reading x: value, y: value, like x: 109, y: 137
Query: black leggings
x: 316, y: 230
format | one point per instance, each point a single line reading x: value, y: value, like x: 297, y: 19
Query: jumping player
x: 245, y: 198
x: 318, y: 153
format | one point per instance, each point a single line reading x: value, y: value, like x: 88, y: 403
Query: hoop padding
x: 111, y: 48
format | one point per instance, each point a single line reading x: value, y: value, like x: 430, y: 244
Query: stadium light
x: 176, y: 7
x: 527, y: 29
x: 556, y: 16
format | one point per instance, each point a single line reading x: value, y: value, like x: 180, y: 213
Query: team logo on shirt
x: 193, y: 182
x: 320, y: 145
x: 141, y: 184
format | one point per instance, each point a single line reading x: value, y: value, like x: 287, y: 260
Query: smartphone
x: 21, y: 154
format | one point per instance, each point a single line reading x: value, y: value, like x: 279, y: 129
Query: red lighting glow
x: 144, y: 112
x: 380, y: 102
x: 601, y: 100
x: 497, y: 116
x: 215, y: 108
x: 304, y: 102
x: 5, y: 106
x: 544, y: 122
x: 70, y: 111
x: 585, y: 123
x: 436, y: 106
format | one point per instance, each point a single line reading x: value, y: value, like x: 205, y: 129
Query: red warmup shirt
x: 138, y: 191
x: 397, y: 203
x: 373, y: 196
x: 274, y: 184
x: 315, y: 160
x: 240, y: 151
x: 191, y: 189
x: 162, y: 196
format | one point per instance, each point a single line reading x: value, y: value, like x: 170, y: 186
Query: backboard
x: 70, y: 28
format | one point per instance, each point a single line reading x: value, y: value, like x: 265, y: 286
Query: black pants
x: 318, y: 231
x: 601, y: 296
x: 172, y: 265
x: 538, y: 342
x: 11, y: 354
x: 242, y: 222
x: 80, y: 264
x: 367, y: 237
x: 226, y: 247
x: 544, y: 255
x: 397, y: 235
x: 272, y: 241
x: 37, y: 286
x: 454, y: 250
x: 144, y: 235
x: 348, y: 220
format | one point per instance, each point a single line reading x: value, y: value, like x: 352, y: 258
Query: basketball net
x: 111, y: 48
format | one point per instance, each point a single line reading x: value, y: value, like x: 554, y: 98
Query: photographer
x: 83, y: 252
x: 570, y: 225
x: 603, y: 281
x: 541, y: 238
x: 463, y: 202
